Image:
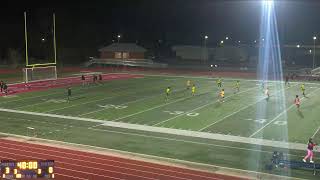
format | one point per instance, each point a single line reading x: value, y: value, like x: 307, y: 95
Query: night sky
x: 94, y: 23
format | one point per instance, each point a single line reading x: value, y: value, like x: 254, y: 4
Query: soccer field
x: 134, y: 115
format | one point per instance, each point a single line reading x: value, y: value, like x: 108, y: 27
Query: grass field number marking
x: 192, y: 114
x: 113, y: 106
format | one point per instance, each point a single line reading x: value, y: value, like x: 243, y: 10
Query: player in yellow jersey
x: 303, y: 89
x: 168, y: 91
x: 193, y: 90
x: 237, y: 86
x: 188, y: 84
x: 219, y: 82
x: 222, y: 95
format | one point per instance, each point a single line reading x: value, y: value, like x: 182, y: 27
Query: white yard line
x: 278, y: 116
x: 137, y: 100
x: 66, y: 107
x: 235, y: 112
x: 200, y: 107
x: 155, y: 107
x: 316, y: 132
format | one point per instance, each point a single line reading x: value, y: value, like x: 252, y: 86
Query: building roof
x: 123, y: 47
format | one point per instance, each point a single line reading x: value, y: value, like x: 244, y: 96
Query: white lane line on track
x: 69, y: 164
x: 109, y: 165
x: 106, y: 159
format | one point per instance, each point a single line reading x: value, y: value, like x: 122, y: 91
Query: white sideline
x: 180, y: 132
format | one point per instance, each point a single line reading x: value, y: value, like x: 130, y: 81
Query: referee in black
x: 69, y: 93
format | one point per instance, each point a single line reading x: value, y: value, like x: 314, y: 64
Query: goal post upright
x: 26, y: 37
x: 54, y: 38
x: 40, y: 71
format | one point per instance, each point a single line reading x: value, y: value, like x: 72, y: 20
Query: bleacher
x: 131, y: 62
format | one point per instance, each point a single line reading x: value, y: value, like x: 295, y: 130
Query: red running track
x: 61, y: 82
x: 73, y: 164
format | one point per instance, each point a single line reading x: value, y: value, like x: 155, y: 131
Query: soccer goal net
x: 39, y: 73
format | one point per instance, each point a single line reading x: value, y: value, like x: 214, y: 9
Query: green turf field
x: 142, y: 101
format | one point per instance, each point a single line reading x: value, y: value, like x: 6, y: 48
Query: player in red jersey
x: 311, y: 145
x: 297, y: 101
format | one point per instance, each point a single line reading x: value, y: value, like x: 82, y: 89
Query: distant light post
x: 298, y: 46
x: 205, y: 58
x: 119, y: 36
x: 42, y: 39
x: 227, y: 38
x: 314, y: 51
x: 221, y: 42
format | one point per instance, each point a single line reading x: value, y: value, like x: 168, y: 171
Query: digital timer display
x: 29, y: 169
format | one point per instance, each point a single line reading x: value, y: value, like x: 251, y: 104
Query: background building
x: 123, y: 51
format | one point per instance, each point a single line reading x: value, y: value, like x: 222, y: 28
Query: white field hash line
x: 137, y: 100
x: 239, y: 110
x: 275, y: 118
x: 200, y: 107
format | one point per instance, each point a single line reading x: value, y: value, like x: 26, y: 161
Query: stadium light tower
x: 227, y: 38
x: 221, y: 42
x: 314, y: 52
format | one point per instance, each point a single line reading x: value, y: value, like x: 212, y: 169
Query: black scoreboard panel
x: 27, y: 169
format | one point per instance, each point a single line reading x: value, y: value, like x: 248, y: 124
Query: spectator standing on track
x: 83, y: 79
x: 69, y: 93
x: 1, y: 86
x: 100, y: 77
x: 287, y: 80
x: 310, y: 147
x: 5, y: 88
x: 95, y: 78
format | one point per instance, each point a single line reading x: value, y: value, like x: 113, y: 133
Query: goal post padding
x: 39, y: 73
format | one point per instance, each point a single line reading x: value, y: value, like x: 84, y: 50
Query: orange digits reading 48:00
x: 27, y: 165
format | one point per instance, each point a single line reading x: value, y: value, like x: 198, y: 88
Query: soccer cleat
x: 304, y: 160
x: 311, y: 161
